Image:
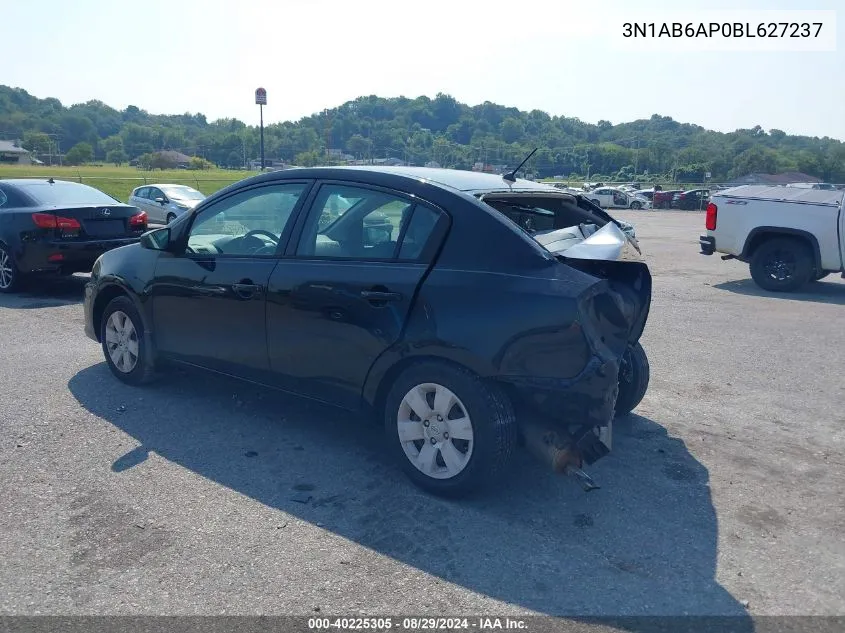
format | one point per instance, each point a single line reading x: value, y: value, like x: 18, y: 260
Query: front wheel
x: 636, y: 206
x: 596, y: 202
x: 782, y: 264
x: 451, y: 431
x: 170, y: 217
x: 820, y: 274
x: 122, y: 339
x: 634, y: 374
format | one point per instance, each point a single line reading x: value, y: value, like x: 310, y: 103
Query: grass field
x: 118, y: 182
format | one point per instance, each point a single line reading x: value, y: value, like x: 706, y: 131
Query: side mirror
x: 161, y: 201
x: 157, y: 239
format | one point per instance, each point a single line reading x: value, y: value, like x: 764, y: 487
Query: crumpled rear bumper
x: 588, y: 399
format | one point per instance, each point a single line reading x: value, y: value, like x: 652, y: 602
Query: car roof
x: 29, y: 182
x: 459, y: 179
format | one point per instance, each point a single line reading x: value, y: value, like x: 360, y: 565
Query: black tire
x: 782, y: 264
x: 820, y: 274
x: 636, y: 206
x: 143, y: 370
x: 170, y: 217
x: 10, y: 268
x: 492, y: 421
x: 634, y: 374
x: 596, y: 202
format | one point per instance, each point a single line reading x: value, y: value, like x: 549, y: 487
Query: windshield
x: 62, y: 193
x: 183, y: 192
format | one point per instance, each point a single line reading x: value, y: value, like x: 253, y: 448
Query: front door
x: 209, y: 301
x: 342, y: 295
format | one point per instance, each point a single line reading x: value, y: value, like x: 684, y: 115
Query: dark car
x: 663, y: 199
x: 49, y: 226
x: 692, y: 200
x: 462, y: 332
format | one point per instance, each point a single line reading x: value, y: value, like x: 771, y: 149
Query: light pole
x: 261, y: 100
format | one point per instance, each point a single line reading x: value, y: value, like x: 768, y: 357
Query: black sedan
x: 494, y: 310
x: 53, y: 226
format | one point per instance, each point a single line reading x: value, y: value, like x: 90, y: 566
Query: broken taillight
x: 710, y: 218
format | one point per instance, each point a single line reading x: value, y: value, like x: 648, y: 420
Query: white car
x: 612, y: 197
x: 164, y: 203
x: 789, y: 236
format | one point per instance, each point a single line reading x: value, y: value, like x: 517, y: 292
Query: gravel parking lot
x: 202, y: 495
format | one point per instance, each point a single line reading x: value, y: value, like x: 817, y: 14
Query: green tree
x: 198, y: 163
x: 111, y: 144
x: 357, y: 145
x: 307, y: 159
x: 79, y: 154
x: 117, y: 156
x: 37, y: 142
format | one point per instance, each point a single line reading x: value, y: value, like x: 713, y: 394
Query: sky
x: 566, y: 58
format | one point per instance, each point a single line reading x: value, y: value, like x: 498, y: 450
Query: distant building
x: 182, y: 161
x: 11, y: 153
x: 784, y: 178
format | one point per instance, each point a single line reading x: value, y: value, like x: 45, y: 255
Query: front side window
x: 249, y: 223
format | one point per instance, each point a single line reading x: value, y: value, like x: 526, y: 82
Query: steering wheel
x: 263, y: 245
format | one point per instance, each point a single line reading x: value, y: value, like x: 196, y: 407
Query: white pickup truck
x: 789, y: 236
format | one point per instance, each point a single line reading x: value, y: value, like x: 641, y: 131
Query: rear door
x: 209, y: 299
x: 341, y: 295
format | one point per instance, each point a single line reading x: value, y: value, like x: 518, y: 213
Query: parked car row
x: 467, y: 311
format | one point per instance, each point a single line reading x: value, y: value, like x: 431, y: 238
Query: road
x: 202, y: 495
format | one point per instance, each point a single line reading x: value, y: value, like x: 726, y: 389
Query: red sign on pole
x: 260, y: 96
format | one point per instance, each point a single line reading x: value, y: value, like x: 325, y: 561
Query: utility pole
x: 261, y: 100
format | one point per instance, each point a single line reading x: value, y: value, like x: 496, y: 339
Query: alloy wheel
x: 122, y: 341
x: 780, y: 265
x: 435, y: 431
x: 7, y: 273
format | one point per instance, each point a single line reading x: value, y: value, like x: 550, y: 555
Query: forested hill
x: 422, y: 130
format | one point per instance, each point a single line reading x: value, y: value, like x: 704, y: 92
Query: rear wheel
x: 596, y: 202
x: 636, y: 205
x: 820, y: 274
x: 10, y: 277
x: 171, y: 217
x: 634, y: 374
x: 122, y: 338
x: 782, y: 264
x: 452, y: 432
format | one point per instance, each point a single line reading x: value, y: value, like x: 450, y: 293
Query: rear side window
x: 418, y: 232
x: 142, y: 192
x: 66, y: 193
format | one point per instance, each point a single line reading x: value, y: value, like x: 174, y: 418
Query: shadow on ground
x: 818, y: 291
x: 644, y: 544
x: 46, y: 292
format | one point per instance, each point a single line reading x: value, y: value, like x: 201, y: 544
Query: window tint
x: 418, y: 232
x: 154, y: 193
x: 3, y: 198
x: 142, y: 192
x: 353, y: 223
x: 247, y: 223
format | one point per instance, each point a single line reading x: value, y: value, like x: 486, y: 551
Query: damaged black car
x: 486, y: 312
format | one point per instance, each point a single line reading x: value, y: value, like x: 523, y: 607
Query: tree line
x: 421, y: 130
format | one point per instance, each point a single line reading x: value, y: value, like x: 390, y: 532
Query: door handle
x: 380, y: 295
x: 246, y: 290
